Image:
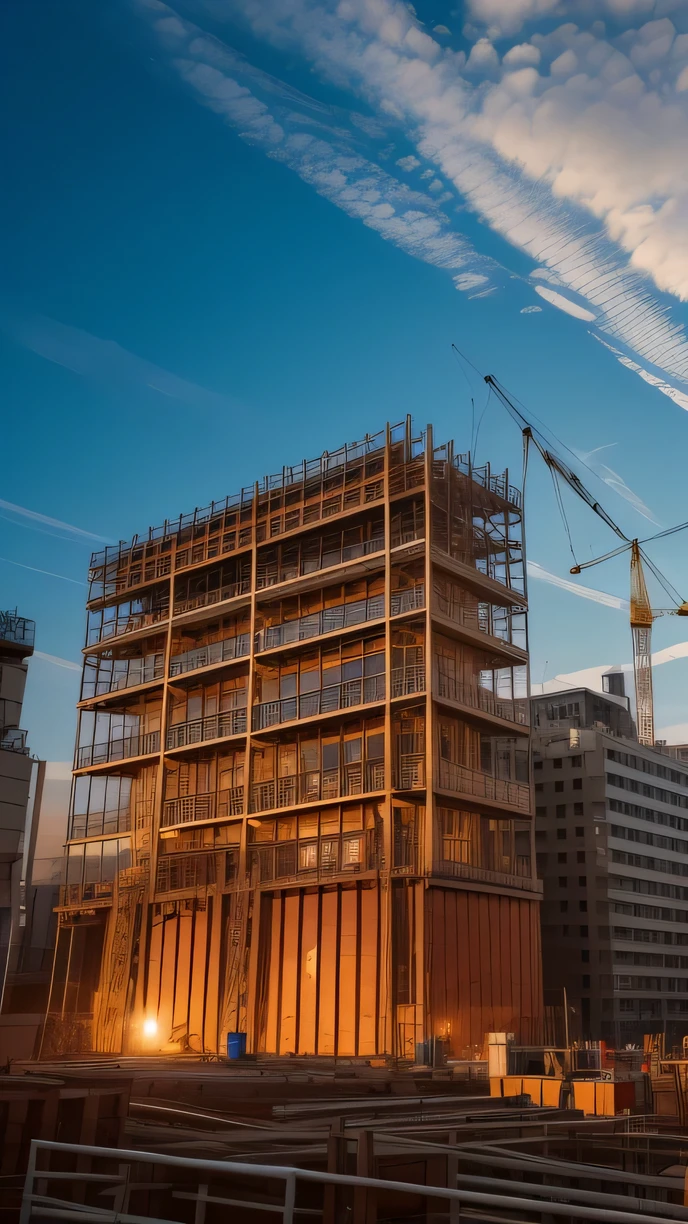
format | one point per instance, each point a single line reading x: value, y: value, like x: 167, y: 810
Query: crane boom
x: 641, y: 632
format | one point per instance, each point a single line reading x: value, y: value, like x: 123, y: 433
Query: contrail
x: 34, y: 569
x: 56, y: 660
x: 35, y: 517
x: 583, y: 592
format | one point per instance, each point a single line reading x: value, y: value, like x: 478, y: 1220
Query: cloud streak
x: 49, y: 573
x: 34, y: 518
x: 564, y: 584
x: 56, y: 661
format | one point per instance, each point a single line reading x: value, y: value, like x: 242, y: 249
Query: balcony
x: 316, y: 860
x: 461, y: 780
x: 209, y: 806
x: 12, y: 739
x: 522, y: 879
x: 130, y: 623
x: 510, y: 709
x: 407, y: 601
x: 215, y: 726
x: 269, y: 574
x: 17, y: 631
x: 343, y: 616
x: 215, y: 546
x: 185, y: 871
x: 408, y: 680
x: 323, y: 701
x: 302, y: 516
x: 207, y: 598
x: 148, y: 571
x: 99, y: 893
x: 314, y: 785
x: 215, y: 652
x: 129, y: 674
x: 410, y: 771
x: 119, y: 749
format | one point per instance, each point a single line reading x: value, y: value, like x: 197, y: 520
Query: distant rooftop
x: 17, y: 631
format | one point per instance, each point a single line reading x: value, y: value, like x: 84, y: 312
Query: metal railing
x: 465, y: 781
x: 82, y: 894
x: 406, y: 680
x: 183, y: 871
x: 134, y: 672
x: 408, y: 600
x: 315, y: 860
x: 14, y: 628
x: 208, y: 806
x: 214, y: 726
x: 13, y: 739
x: 273, y: 574
x: 215, y: 652
x: 207, y: 598
x: 521, y: 878
x: 148, y: 571
x: 513, y: 710
x: 323, y: 701
x: 139, y: 744
x: 316, y: 784
x: 328, y: 621
x: 273, y: 525
x: 409, y: 773
x: 129, y: 623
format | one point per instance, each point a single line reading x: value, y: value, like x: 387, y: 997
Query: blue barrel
x: 236, y: 1045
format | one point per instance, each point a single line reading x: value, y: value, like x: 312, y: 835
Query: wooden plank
x: 197, y: 986
x: 182, y: 983
x: 346, y: 1037
x: 329, y: 938
x: 368, y: 972
x: 308, y: 996
x: 290, y: 954
x: 452, y: 970
x: 463, y: 1019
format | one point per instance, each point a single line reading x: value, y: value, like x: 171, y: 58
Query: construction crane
x: 642, y: 615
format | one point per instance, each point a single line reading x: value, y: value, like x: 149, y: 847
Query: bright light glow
x: 150, y: 1027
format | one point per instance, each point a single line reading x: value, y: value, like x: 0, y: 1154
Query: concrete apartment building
x: 612, y: 851
x: 16, y: 768
x: 302, y: 804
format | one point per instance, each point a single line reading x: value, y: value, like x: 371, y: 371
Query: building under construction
x: 302, y: 805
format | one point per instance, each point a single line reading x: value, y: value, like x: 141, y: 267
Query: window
x: 561, y: 811
x: 537, y: 764
x: 563, y: 881
x: 586, y: 981
x: 583, y: 932
x: 558, y: 786
x: 561, y: 834
x: 576, y: 762
x: 563, y: 907
x: 557, y: 763
x: 582, y: 881
x: 580, y: 856
x: 583, y: 907
x: 561, y: 857
x: 539, y: 786
x: 577, y: 783
x: 578, y: 809
x: 541, y: 812
x: 580, y: 831
x: 565, y: 930
x: 540, y: 861
x: 585, y: 956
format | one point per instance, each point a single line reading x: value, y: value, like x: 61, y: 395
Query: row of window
x: 649, y: 864
x: 655, y: 959
x: 651, y: 888
x: 543, y: 859
x: 650, y: 792
x: 650, y: 839
x: 642, y: 935
x: 558, y: 762
x: 561, y: 810
x: 643, y: 765
x: 577, y: 784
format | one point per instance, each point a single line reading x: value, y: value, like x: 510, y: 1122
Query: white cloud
x: 523, y: 55
x: 469, y: 280
x: 531, y: 310
x: 441, y: 29
x: 56, y: 661
x: 408, y: 163
x: 600, y: 597
x: 565, y: 304
x: 679, y: 397
x: 591, y: 677
x: 49, y: 573
x: 676, y: 733
x: 616, y: 482
x: 483, y: 57
x: 508, y: 16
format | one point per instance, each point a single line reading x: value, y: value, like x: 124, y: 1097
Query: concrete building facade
x: 302, y: 804
x: 612, y: 851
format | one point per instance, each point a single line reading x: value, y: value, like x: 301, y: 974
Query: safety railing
x: 270, y: 574
x: 114, y: 675
x: 148, y: 571
x: 119, y: 749
x: 182, y: 871
x: 215, y: 726
x: 12, y: 739
x: 521, y: 878
x: 131, y: 622
x: 323, y: 701
x: 207, y: 598
x: 476, y: 697
x: 81, y: 894
x: 279, y: 523
x: 17, y: 629
x: 316, y: 784
x: 315, y: 860
x: 207, y: 806
x: 408, y: 600
x: 328, y: 621
x: 215, y: 652
x: 408, y: 680
x: 409, y: 773
x: 478, y: 785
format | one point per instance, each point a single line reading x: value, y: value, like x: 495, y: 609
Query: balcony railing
x: 215, y: 652
x: 271, y: 574
x: 207, y: 598
x: 17, y: 629
x: 409, y: 773
x: 127, y: 624
x: 479, y: 698
x: 207, y: 806
x: 184, y: 871
x: 12, y: 739
x: 323, y: 701
x: 301, y: 516
x: 407, y: 680
x: 316, y: 784
x: 522, y: 878
x: 216, y: 546
x: 156, y: 567
x: 119, y: 749
x: 408, y: 600
x: 82, y: 894
x: 330, y: 619
x: 316, y: 860
x: 214, y: 726
x: 134, y: 671
x: 478, y: 785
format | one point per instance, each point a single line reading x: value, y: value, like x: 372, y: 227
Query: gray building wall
x: 612, y: 851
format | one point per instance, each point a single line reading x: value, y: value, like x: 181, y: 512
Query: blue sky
x: 242, y: 232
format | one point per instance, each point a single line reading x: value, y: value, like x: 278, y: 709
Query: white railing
x: 327, y: 621
x: 119, y: 749
x: 323, y: 701
x: 215, y: 652
x: 215, y: 726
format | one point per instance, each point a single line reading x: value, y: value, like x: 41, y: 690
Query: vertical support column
x: 427, y: 844
x: 385, y: 993
x: 244, y: 881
